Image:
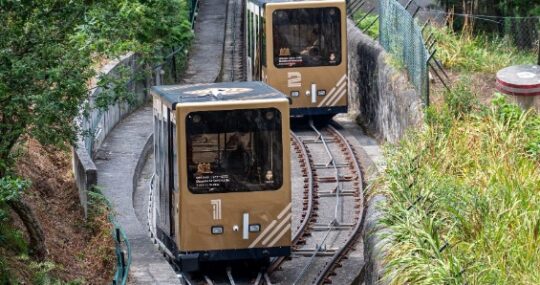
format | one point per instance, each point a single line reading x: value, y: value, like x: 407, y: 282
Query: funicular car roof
x: 216, y: 92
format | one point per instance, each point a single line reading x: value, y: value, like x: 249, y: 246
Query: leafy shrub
x: 514, y: 116
x: 11, y: 238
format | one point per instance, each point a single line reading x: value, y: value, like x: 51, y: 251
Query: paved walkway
x: 116, y: 161
x: 119, y: 154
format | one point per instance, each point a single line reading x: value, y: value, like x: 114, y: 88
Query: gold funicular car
x: 222, y: 172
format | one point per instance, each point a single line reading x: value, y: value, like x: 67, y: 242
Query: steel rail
x: 333, y: 162
x: 334, y: 222
x: 340, y: 254
x: 229, y: 275
x: 234, y: 38
x: 309, y: 210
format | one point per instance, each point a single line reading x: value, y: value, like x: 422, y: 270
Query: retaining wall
x: 386, y: 105
x: 97, y: 123
x: 381, y: 97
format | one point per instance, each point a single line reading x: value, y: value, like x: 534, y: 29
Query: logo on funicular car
x: 219, y: 91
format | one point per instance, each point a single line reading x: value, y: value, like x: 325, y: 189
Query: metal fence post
x: 538, y: 62
x: 427, y: 84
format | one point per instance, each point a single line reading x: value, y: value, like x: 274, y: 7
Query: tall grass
x: 464, y: 197
x: 478, y: 53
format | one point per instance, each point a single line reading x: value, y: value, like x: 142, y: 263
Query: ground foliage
x: 463, y: 51
x: 368, y: 23
x: 49, y: 51
x: 503, y: 8
x: 464, y: 197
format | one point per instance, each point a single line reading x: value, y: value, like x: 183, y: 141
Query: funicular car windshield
x: 307, y: 37
x: 234, y: 150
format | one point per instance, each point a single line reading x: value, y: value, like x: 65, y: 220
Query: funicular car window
x: 307, y: 37
x: 234, y: 150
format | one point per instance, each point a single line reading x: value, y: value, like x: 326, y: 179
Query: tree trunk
x: 33, y: 228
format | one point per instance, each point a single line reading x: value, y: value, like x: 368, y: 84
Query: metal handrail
x: 122, y: 251
x: 122, y: 263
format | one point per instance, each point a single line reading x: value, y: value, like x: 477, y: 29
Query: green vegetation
x: 464, y: 195
x: 494, y: 7
x: 11, y: 189
x: 49, y: 51
x: 369, y: 22
x: 464, y: 52
x: 99, y: 222
x: 42, y: 275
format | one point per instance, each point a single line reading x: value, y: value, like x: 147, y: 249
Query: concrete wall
x: 96, y: 123
x: 385, y: 103
x: 85, y: 172
x: 387, y: 106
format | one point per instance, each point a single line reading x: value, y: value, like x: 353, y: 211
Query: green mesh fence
x: 401, y: 36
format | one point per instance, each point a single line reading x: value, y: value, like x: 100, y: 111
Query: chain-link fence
x: 401, y: 36
x: 523, y: 32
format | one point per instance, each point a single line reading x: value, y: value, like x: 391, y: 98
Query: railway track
x: 233, y: 53
x: 332, y: 211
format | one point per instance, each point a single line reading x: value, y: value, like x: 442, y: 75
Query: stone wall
x: 381, y: 97
x: 386, y: 105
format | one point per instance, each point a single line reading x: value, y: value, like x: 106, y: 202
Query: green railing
x: 193, y: 5
x: 123, y: 256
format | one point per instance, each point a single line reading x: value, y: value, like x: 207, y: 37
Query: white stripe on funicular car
x: 339, y: 93
x: 338, y: 86
x: 283, y: 232
x: 271, y: 225
x: 338, y: 97
x: 284, y: 211
x: 329, y: 95
x: 276, y: 229
x: 261, y: 235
